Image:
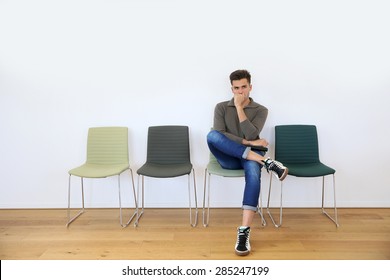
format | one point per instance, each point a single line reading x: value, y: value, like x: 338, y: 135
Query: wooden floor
x: 166, y: 234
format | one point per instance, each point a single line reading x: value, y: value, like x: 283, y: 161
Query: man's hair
x: 240, y: 74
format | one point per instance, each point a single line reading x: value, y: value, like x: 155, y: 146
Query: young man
x: 235, y: 142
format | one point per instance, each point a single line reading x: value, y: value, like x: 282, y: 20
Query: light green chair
x: 296, y: 146
x: 107, y: 155
x: 214, y: 168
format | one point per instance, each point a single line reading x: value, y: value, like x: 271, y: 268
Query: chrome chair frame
x: 334, y: 219
x: 207, y: 177
x: 192, y: 222
x: 82, y: 209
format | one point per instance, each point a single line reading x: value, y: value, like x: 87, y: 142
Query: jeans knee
x: 212, y: 136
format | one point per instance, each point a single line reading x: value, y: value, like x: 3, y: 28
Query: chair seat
x: 216, y: 169
x: 309, y: 169
x: 164, y: 170
x: 89, y: 170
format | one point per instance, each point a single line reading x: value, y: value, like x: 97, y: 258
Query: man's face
x: 241, y: 87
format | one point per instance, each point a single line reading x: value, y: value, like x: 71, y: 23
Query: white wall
x: 68, y: 65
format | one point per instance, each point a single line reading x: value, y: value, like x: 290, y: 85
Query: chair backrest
x: 107, y: 145
x: 168, y: 144
x: 296, y: 144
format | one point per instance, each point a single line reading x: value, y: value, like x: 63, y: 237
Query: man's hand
x: 240, y: 100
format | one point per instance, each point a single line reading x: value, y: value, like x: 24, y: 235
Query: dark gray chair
x: 168, y: 156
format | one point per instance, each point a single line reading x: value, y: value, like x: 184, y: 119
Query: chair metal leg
x: 120, y: 202
x: 82, y: 210
x: 70, y: 220
x: 334, y: 201
x: 139, y: 214
x: 333, y: 219
x: 193, y: 224
x: 193, y: 221
x: 206, y: 214
x: 206, y: 182
x: 281, y: 206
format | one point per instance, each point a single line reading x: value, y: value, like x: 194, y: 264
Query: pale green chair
x: 107, y: 155
x: 214, y: 168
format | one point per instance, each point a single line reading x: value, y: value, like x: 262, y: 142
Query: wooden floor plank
x: 41, y: 234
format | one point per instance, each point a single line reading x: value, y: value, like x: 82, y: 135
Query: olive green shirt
x: 226, y: 120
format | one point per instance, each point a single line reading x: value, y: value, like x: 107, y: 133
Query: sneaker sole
x: 242, y: 253
x: 284, y: 174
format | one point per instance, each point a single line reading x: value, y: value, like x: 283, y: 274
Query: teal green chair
x: 214, y: 168
x: 168, y: 156
x: 107, y: 155
x: 296, y: 146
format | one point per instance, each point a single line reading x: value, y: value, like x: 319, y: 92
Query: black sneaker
x: 278, y: 168
x: 243, y: 247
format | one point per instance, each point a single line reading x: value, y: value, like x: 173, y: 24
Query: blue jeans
x: 232, y: 155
